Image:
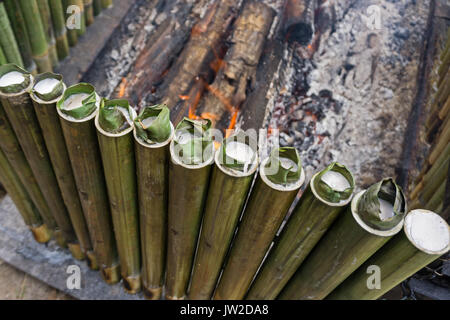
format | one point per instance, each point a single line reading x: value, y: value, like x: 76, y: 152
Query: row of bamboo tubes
x: 431, y: 186
x: 34, y: 33
x: 135, y: 210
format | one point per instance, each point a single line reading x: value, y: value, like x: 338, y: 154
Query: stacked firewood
x: 36, y: 34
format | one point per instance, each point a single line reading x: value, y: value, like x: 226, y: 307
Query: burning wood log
x: 231, y: 85
x: 203, y: 47
x: 153, y: 62
x: 299, y: 20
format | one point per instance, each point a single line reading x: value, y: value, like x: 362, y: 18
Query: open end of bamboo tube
x: 92, y: 260
x: 152, y: 293
x: 155, y: 145
x: 115, y: 118
x: 111, y: 275
x: 333, y: 186
x: 14, y: 80
x: 76, y: 106
x: 153, y: 126
x: 428, y: 232
x: 41, y: 234
x: 47, y: 88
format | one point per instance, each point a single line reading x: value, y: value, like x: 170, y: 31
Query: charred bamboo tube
x: 77, y: 109
x: 407, y: 253
x: 326, y: 197
x: 48, y: 88
x: 279, y: 181
x: 153, y: 134
x: 19, y: 109
x: 192, y: 155
x: 299, y: 20
x: 22, y: 200
x: 70, y: 15
x: 13, y: 151
x: 8, y: 40
x: 114, y: 124
x: 89, y: 12
x: 233, y: 173
x: 106, y: 4
x: 23, y: 41
x: 232, y: 81
x: 374, y: 217
x: 97, y: 7
x: 59, y: 26
x: 47, y: 23
x: 36, y: 34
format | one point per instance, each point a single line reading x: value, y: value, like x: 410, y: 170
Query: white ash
x: 11, y: 78
x: 46, y: 85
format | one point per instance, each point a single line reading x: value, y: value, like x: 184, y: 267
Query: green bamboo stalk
x: 400, y: 258
x: 437, y: 199
x: 318, y: 208
x: 72, y: 34
x: 11, y: 147
x: 89, y: 12
x: 47, y: 23
x: 271, y: 197
x: 8, y: 40
x: 228, y: 189
x: 152, y: 164
x: 44, y: 101
x: 115, y: 135
x: 23, y: 202
x: 36, y: 34
x: 59, y: 26
x: 19, y: 109
x: 106, y: 4
x: 358, y: 233
x: 80, y: 4
x: 82, y: 145
x: 2, y: 57
x: 97, y: 7
x: 189, y: 172
x: 20, y: 30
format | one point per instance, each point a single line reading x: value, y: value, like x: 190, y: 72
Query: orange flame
x: 122, y: 88
x: 232, y: 124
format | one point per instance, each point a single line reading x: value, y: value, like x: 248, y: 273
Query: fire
x: 122, y: 88
x: 232, y: 123
x: 184, y: 98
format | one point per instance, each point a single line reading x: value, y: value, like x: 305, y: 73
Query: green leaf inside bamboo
x: 335, y: 183
x: 13, y: 79
x: 239, y: 152
x: 48, y: 86
x: 79, y: 101
x: 383, y: 205
x: 193, y: 141
x: 153, y: 124
x: 115, y: 116
x: 284, y: 166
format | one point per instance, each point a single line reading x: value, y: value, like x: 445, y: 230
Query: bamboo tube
x: 22, y: 200
x: 72, y: 34
x: 89, y: 12
x: 44, y: 98
x: 363, y: 229
x: 437, y: 199
x: 2, y: 57
x: 318, y: 208
x: 426, y: 237
x: 11, y: 147
x: 77, y: 110
x: 8, y: 40
x: 19, y: 109
x: 114, y: 124
x: 271, y: 197
x: 47, y: 23
x: 441, y: 143
x: 36, y: 34
x: 59, y: 26
x: 233, y: 173
x: 106, y: 4
x: 152, y: 142
x: 97, y: 7
x: 23, y: 41
x: 445, y: 109
x: 80, y: 4
x: 189, y: 172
